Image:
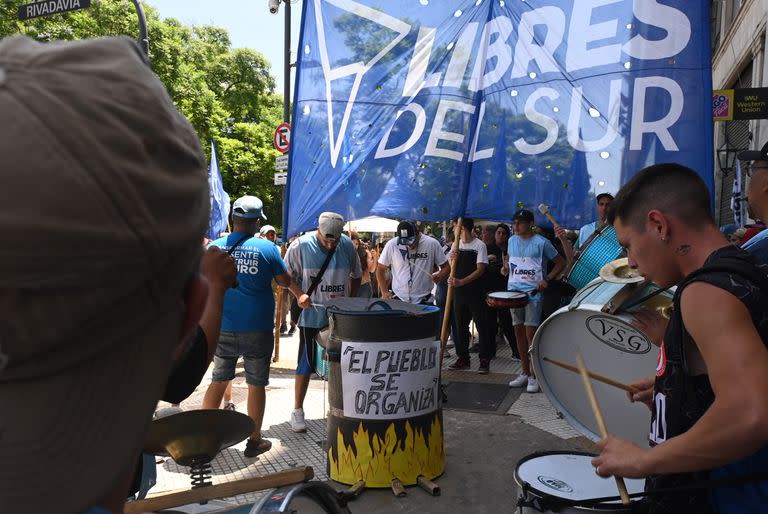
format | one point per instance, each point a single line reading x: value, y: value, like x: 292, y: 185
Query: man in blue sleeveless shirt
x: 305, y: 258
x: 709, y: 414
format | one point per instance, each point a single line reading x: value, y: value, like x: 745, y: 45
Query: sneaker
x: 283, y: 329
x: 460, y: 364
x: 449, y: 343
x: 485, y: 367
x: 533, y: 385
x: 292, y: 330
x: 297, y: 421
x: 520, y: 381
x: 229, y: 406
x: 254, y: 448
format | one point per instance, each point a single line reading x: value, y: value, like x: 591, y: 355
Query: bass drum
x: 565, y: 482
x: 610, y: 347
x: 306, y: 498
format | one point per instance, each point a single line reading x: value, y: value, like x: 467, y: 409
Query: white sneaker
x: 297, y: 421
x: 520, y: 381
x: 533, y: 385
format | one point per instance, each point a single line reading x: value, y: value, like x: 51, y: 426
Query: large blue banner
x: 431, y: 109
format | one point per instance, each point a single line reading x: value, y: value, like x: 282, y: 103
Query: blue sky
x: 248, y: 22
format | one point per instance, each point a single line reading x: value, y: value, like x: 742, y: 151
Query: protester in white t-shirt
x: 413, y: 260
x: 471, y: 261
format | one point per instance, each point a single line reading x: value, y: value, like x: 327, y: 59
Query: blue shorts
x: 256, y: 350
x: 530, y: 315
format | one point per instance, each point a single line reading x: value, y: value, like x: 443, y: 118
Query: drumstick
x: 596, y: 376
x: 600, y: 421
x: 544, y: 209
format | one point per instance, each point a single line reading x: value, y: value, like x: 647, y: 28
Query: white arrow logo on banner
x: 358, y: 69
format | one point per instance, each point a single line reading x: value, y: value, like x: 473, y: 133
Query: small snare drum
x: 506, y: 300
x: 565, y: 482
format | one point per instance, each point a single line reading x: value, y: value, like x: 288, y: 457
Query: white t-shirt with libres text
x: 412, y: 269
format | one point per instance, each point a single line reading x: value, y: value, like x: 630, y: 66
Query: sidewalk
x: 482, y: 447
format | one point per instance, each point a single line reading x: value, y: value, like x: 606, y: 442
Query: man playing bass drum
x: 709, y: 425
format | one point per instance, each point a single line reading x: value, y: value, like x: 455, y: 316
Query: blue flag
x: 219, y: 198
x: 432, y: 109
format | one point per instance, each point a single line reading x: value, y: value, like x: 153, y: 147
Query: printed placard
x: 390, y: 380
x: 722, y: 104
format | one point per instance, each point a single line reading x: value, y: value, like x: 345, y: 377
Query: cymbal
x: 619, y: 272
x: 197, y: 435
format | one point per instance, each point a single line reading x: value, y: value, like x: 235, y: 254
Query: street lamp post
x: 274, y: 6
x: 143, y: 37
x: 287, y: 64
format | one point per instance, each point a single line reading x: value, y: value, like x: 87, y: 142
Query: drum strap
x: 553, y: 504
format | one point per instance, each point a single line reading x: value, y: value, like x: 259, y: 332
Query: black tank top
x: 681, y: 398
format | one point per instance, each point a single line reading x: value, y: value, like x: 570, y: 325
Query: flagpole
x: 449, y: 296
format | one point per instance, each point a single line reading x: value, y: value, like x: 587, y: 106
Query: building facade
x: 738, y: 61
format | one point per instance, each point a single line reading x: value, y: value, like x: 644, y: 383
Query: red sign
x: 282, y: 138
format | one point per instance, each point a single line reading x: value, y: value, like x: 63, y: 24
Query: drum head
x: 506, y: 295
x: 569, y: 475
x: 611, y: 347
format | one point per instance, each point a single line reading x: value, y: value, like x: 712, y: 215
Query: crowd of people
x: 111, y: 299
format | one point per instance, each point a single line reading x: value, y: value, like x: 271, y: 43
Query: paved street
x: 482, y: 448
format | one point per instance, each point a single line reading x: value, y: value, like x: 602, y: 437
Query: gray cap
x: 98, y: 165
x: 248, y: 207
x: 331, y: 225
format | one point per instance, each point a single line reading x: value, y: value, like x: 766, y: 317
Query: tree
x: 227, y: 94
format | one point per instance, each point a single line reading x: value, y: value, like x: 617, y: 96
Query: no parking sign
x: 282, y: 137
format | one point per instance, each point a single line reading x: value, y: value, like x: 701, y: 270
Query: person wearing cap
x: 468, y: 301
x: 305, y: 258
x: 416, y: 262
x: 527, y: 256
x: 268, y: 232
x: 249, y: 314
x: 105, y: 292
x: 604, y: 201
x: 757, y: 198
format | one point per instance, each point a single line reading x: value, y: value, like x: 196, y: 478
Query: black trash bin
x: 385, y: 416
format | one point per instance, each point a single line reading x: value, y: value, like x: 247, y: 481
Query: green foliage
x: 227, y: 94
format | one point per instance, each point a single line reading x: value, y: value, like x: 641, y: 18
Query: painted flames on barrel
x: 403, y: 449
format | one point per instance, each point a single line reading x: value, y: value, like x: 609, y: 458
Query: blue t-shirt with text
x: 250, y: 307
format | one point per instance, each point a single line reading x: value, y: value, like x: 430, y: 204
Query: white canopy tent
x: 373, y: 224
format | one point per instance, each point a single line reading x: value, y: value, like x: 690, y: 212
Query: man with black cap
x: 325, y: 265
x: 249, y: 314
x: 604, y: 201
x: 757, y: 197
x: 413, y: 259
x: 527, y: 256
x: 105, y: 290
